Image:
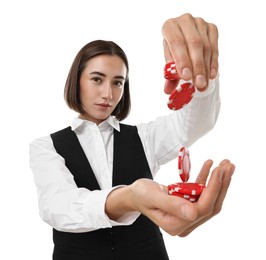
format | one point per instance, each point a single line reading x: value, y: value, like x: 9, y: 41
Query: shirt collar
x: 105, y: 125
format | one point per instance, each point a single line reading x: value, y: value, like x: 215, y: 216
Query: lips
x: 105, y: 105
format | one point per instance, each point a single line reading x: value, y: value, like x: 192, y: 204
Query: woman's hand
x: 175, y: 215
x: 192, y: 44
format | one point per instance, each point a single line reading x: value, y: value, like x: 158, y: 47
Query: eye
x: 118, y: 84
x: 97, y: 80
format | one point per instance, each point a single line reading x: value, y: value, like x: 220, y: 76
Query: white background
x: 39, y: 40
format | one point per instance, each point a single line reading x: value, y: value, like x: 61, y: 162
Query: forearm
x: 62, y: 204
x: 163, y: 137
x: 77, y: 210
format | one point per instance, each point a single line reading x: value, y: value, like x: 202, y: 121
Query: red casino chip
x: 185, y: 196
x: 189, y: 188
x: 183, y: 93
x: 181, y: 96
x: 189, y: 191
x: 170, y: 72
x: 184, y: 164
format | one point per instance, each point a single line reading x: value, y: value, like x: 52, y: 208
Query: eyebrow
x: 103, y: 75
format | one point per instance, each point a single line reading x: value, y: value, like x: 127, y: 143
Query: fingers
x: 209, y: 203
x: 228, y: 169
x: 170, y: 86
x: 175, y: 47
x: 206, y: 204
x: 204, y: 49
x: 178, y: 216
x: 212, y: 197
x: 210, y: 194
x: 177, y: 207
x: 194, y: 31
x: 173, y: 214
x: 213, y: 38
x: 167, y: 53
x: 159, y: 199
x: 193, y: 44
x: 204, y: 172
x: 224, y: 162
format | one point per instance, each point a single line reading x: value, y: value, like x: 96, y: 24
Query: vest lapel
x: 130, y: 162
x: 67, y: 145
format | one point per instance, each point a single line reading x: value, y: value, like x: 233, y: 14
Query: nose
x: 107, y: 91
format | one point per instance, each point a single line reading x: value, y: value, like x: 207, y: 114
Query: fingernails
x: 200, y: 81
x: 213, y: 73
x: 186, y: 74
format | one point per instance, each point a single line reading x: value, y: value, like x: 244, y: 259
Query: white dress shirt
x: 66, y: 207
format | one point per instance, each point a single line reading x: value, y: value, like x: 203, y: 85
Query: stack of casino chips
x: 184, y: 189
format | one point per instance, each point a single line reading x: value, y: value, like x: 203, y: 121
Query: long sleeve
x: 163, y: 137
x: 62, y: 204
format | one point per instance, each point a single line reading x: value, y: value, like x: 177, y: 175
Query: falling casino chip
x: 183, y: 94
x: 184, y: 164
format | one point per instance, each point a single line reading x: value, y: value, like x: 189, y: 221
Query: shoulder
x: 46, y: 142
x: 41, y: 145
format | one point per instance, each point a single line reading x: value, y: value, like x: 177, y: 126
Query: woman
x: 94, y: 178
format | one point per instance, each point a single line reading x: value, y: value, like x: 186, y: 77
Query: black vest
x: 141, y: 239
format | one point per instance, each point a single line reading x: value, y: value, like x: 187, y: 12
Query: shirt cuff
x: 98, y: 218
x: 126, y: 219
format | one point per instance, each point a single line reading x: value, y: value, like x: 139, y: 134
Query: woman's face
x: 102, y: 86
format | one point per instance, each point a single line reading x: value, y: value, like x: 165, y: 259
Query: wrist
x: 119, y: 202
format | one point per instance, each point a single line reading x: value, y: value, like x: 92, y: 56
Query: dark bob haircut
x: 72, y: 87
